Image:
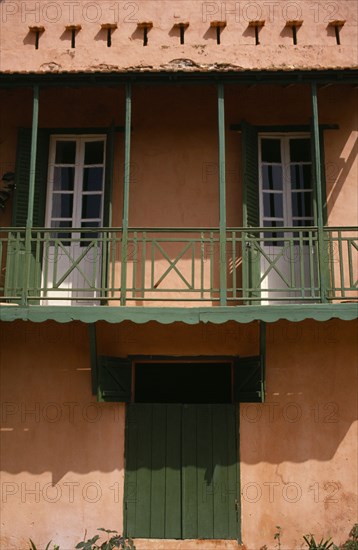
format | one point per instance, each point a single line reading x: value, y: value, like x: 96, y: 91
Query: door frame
x: 287, y: 216
x: 80, y: 139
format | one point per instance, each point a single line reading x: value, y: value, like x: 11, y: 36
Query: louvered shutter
x: 250, y: 175
x: 251, y: 210
x: 249, y: 379
x: 14, y: 282
x: 114, y: 379
x: 22, y: 175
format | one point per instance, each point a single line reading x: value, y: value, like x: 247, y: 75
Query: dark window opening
x: 184, y: 383
x: 37, y: 37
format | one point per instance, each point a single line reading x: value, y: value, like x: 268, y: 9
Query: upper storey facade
x: 171, y: 35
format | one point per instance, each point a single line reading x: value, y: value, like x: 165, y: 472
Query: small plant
x: 114, y: 540
x: 34, y: 547
x: 352, y: 542
x: 277, y: 536
x: 321, y: 545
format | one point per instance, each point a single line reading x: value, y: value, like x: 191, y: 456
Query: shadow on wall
x: 339, y: 171
x: 52, y: 423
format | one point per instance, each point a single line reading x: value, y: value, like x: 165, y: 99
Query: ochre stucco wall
x: 316, y: 48
x: 298, y: 450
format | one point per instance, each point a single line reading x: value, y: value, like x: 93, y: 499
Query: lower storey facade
x: 181, y: 464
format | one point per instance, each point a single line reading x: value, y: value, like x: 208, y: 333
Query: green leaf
x: 33, y: 547
x: 88, y: 544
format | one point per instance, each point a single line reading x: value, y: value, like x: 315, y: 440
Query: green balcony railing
x: 175, y: 265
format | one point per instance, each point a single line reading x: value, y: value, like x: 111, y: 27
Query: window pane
x: 62, y: 205
x: 63, y: 179
x: 273, y: 234
x: 303, y: 223
x: 61, y: 223
x: 305, y: 235
x: 273, y: 205
x: 92, y: 179
x: 271, y: 150
x: 300, y: 150
x: 94, y: 152
x: 65, y: 152
x: 301, y: 177
x: 272, y: 177
x: 302, y: 205
x: 90, y: 234
x: 60, y: 235
x: 91, y: 206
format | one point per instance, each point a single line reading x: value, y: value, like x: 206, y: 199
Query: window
x: 71, y: 174
x: 76, y: 182
x: 286, y: 192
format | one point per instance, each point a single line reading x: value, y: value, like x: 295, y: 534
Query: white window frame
x: 79, y: 166
x: 287, y: 186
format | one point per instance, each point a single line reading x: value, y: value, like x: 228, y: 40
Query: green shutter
x: 22, y: 174
x: 114, y: 379
x: 14, y: 282
x: 251, y: 209
x: 249, y: 379
x: 250, y: 175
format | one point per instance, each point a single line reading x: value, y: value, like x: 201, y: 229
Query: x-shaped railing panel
x: 75, y: 264
x: 172, y: 265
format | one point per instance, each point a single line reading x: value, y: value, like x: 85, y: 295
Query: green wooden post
x: 318, y: 189
x: 127, y: 159
x: 30, y: 205
x: 93, y: 356
x: 222, y: 194
x: 263, y: 358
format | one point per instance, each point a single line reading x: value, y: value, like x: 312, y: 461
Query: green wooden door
x: 181, y: 472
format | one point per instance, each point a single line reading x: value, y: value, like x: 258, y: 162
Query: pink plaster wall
x: 174, y: 150
x: 175, y: 146
x: 298, y: 450
x: 62, y: 452
x: 316, y: 47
